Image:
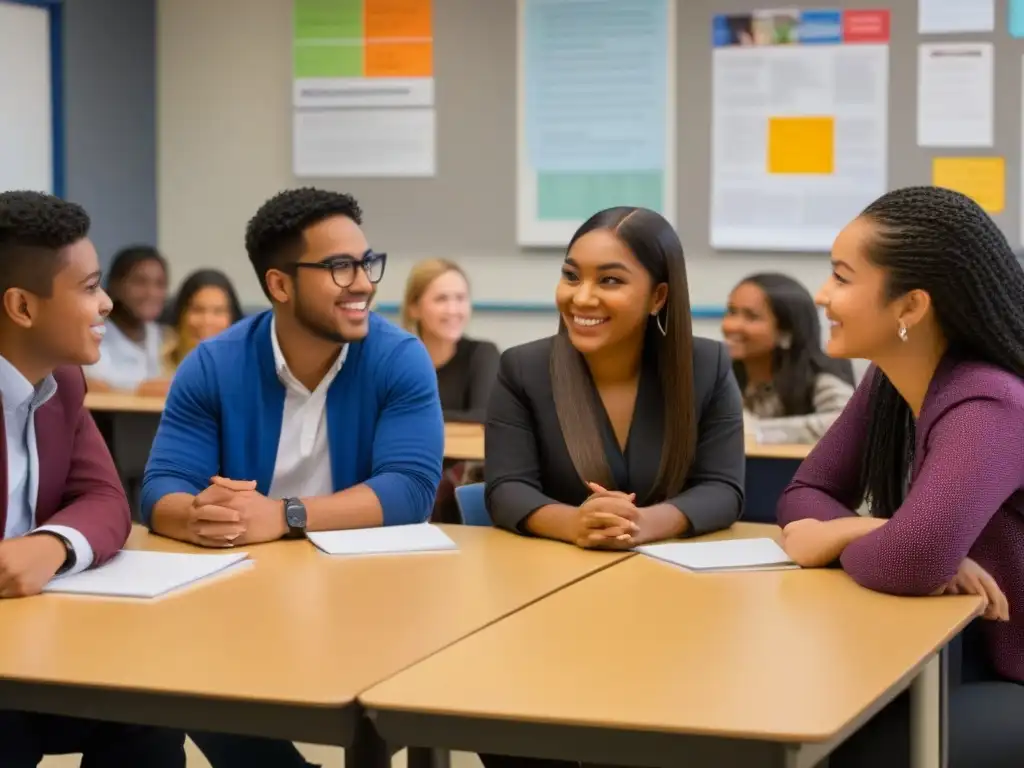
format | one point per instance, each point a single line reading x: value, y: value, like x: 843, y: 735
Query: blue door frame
x: 56, y: 11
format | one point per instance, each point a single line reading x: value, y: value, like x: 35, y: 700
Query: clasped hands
x: 608, y: 520
x: 804, y: 539
x: 231, y: 513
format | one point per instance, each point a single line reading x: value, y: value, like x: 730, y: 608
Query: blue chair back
x: 472, y: 508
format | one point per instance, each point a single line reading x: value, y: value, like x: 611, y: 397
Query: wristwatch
x: 295, y: 517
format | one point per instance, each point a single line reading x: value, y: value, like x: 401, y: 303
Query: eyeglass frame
x: 331, y: 263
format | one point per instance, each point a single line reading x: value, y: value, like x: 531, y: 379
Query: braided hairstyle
x: 941, y: 242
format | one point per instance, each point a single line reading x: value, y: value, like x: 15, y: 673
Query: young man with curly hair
x: 315, y: 415
x: 65, y: 509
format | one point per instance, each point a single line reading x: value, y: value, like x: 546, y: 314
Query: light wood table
x: 118, y: 402
x: 645, y: 664
x: 769, y: 451
x: 464, y: 442
x: 280, y: 650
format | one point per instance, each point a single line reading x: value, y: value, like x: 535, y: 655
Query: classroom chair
x: 472, y: 507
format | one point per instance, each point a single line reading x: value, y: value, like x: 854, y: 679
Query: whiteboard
x: 26, y: 130
x: 537, y: 229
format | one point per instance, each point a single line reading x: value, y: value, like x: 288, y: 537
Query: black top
x: 528, y: 464
x: 465, y: 382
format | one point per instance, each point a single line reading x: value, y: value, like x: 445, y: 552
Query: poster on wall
x: 363, y: 88
x: 596, y: 112
x: 955, y: 95
x: 799, y: 125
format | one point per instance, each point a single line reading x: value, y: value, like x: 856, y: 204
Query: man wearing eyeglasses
x: 315, y: 415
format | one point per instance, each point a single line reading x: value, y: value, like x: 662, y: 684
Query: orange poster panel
x: 399, y: 59
x: 397, y: 18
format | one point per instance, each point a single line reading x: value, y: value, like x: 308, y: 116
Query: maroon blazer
x: 78, y: 483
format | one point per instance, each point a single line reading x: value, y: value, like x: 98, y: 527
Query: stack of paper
x: 387, y: 540
x: 734, y: 555
x: 147, y: 574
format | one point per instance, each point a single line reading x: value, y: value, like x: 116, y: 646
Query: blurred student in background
x: 436, y: 308
x: 206, y: 305
x: 623, y: 428
x: 792, y: 390
x: 131, y: 352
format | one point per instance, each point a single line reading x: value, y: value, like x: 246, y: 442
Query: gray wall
x: 110, y: 118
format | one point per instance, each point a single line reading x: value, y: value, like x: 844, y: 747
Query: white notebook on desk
x: 733, y: 555
x: 386, y: 540
x: 147, y: 574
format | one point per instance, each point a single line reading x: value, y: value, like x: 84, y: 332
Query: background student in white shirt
x: 131, y: 350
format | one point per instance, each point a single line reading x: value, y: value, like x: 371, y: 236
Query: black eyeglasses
x: 343, y: 268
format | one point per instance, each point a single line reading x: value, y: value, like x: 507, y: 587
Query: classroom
x: 515, y: 384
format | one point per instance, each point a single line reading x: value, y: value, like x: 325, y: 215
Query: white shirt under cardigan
x: 303, y: 465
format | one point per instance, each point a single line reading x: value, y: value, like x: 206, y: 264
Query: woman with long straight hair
x: 925, y: 286
x: 792, y: 391
x: 622, y: 428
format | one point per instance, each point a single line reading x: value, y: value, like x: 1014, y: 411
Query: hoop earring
x: 657, y: 319
x: 902, y: 332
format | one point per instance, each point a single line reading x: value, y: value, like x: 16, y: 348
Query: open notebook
x: 147, y: 574
x: 386, y: 540
x: 734, y: 555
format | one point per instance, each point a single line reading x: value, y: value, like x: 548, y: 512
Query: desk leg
x: 368, y: 749
x: 928, y: 714
x: 425, y: 757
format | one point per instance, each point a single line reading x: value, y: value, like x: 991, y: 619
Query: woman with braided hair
x: 925, y: 286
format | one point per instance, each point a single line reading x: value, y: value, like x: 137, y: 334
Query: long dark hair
x: 794, y: 368
x: 656, y: 246
x: 941, y: 242
x: 121, y: 266
x: 194, y: 283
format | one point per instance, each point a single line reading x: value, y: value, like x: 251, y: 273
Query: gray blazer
x: 528, y: 464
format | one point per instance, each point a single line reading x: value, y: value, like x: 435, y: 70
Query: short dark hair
x: 941, y: 242
x: 273, y: 237
x: 34, y: 229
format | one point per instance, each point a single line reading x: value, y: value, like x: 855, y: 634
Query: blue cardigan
x: 224, y: 409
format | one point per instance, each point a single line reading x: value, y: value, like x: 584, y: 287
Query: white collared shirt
x: 20, y: 402
x: 303, y: 465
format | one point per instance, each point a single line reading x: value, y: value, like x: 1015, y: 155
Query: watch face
x: 295, y: 515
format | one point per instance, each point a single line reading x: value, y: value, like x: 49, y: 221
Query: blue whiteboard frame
x: 56, y: 11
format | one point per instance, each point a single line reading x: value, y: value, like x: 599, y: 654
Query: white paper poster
x: 955, y: 95
x: 799, y: 125
x: 936, y: 17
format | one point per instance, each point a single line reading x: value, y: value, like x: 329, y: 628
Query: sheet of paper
x: 738, y: 554
x: 955, y: 95
x: 949, y: 16
x: 983, y: 179
x: 799, y: 125
x: 146, y: 574
x: 363, y: 88
x: 386, y: 540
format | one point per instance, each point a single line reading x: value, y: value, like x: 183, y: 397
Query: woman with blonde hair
x: 436, y: 308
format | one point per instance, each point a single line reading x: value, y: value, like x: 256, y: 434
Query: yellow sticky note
x: 983, y: 179
x: 801, y: 144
